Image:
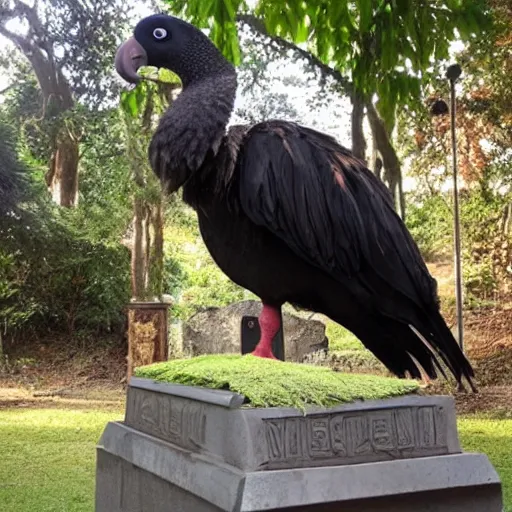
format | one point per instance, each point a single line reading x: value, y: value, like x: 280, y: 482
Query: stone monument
x: 184, y: 448
x: 218, y: 331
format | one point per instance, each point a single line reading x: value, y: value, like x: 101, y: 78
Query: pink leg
x: 270, y: 322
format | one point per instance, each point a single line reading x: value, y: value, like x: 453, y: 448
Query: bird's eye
x: 159, y: 33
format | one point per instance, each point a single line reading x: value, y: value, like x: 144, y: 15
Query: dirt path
x: 107, y: 398
x: 494, y: 401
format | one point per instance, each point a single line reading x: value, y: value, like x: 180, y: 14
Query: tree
x: 484, y: 130
x: 379, y: 47
x: 140, y: 107
x: 70, y: 45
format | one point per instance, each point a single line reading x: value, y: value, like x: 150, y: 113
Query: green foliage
x: 207, y: 287
x: 219, y: 16
x: 60, y: 280
x: 270, y: 383
x: 158, y: 85
x: 15, y: 309
x: 23, y: 106
x: 106, y: 185
x: 78, y: 37
x: 341, y: 338
x: 356, y: 360
x: 61, y: 268
x: 382, y: 46
x: 479, y: 279
x: 195, y: 280
x: 12, y: 175
x: 430, y: 224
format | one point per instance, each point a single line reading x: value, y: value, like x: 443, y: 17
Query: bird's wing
x: 334, y: 213
x: 331, y: 211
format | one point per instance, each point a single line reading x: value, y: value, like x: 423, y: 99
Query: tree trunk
x: 391, y: 163
x: 138, y: 263
x: 377, y: 163
x: 156, y: 266
x: 401, y: 195
x: 62, y: 177
x: 147, y: 249
x: 358, y: 140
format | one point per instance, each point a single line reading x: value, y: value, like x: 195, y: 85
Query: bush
x: 479, y: 279
x: 487, y: 248
x: 54, y: 273
x: 341, y: 338
x: 61, y: 281
x: 430, y: 224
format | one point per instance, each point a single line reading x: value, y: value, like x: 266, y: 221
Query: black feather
x: 336, y: 215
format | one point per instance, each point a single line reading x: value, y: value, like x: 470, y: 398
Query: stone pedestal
x: 186, y: 449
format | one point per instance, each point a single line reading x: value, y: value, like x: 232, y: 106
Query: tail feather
x: 435, y: 332
x: 397, y: 347
x: 407, y: 348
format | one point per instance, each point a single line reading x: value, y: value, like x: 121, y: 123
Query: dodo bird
x: 288, y: 213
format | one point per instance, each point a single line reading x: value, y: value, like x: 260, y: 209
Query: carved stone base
x: 192, y: 449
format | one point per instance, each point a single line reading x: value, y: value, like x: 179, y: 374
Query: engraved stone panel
x: 275, y: 439
x: 338, y: 435
x: 358, y: 440
x: 382, y: 431
x: 404, y: 428
x: 179, y: 421
x: 353, y: 437
x: 426, y: 427
x: 293, y: 436
x: 318, y: 436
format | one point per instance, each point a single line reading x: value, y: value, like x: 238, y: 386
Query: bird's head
x: 194, y: 125
x: 167, y: 42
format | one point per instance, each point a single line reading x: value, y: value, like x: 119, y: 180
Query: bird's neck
x: 193, y: 127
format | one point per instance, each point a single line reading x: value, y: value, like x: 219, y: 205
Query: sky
x: 140, y: 10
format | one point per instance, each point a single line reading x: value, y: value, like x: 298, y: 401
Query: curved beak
x: 129, y: 58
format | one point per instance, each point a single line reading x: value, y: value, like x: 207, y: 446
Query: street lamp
x: 453, y: 73
x: 439, y: 108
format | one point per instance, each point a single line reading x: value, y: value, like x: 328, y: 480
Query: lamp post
x: 453, y: 73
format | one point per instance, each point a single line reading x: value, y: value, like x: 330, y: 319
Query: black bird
x: 288, y: 213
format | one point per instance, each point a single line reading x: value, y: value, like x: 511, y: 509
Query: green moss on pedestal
x: 269, y: 383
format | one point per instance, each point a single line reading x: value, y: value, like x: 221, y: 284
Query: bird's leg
x: 270, y: 322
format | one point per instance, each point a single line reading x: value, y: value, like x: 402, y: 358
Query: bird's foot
x: 262, y: 351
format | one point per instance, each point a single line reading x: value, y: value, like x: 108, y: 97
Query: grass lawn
x: 494, y: 438
x: 48, y: 456
x: 48, y: 459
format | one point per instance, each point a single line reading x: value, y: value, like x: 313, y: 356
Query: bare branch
x: 259, y: 26
x: 15, y: 38
x: 35, y: 26
x: 7, y: 89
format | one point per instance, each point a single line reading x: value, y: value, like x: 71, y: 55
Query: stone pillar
x: 202, y: 450
x: 147, y: 334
